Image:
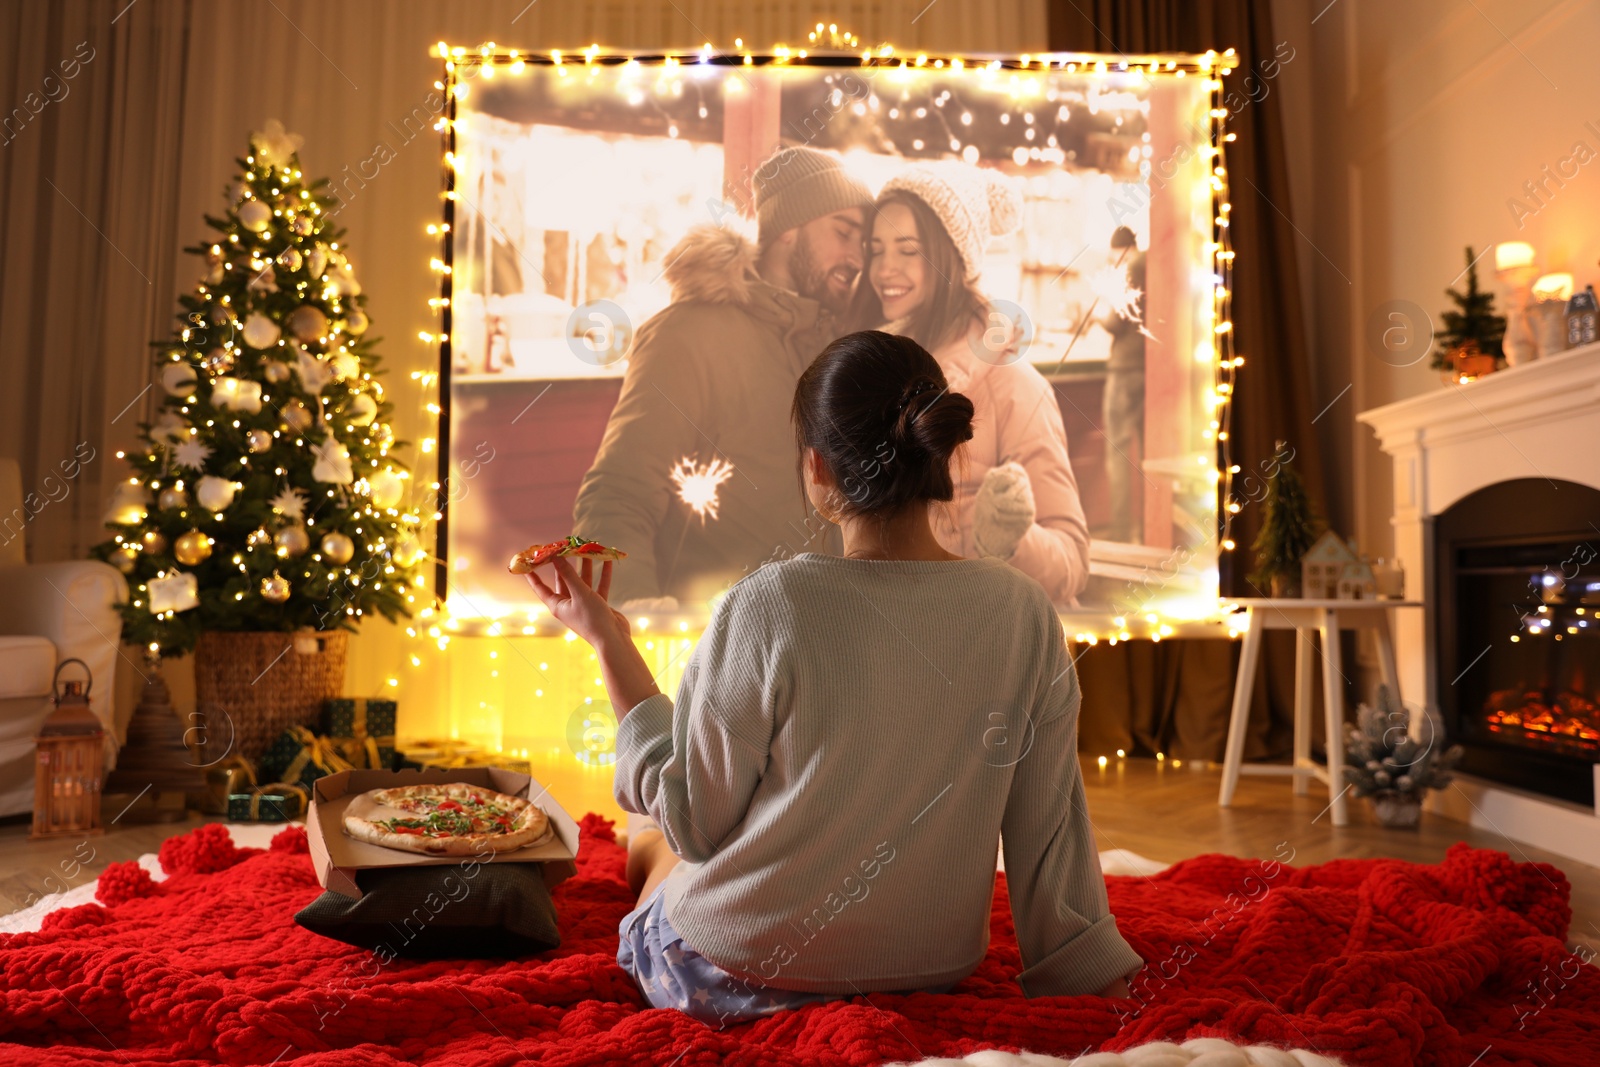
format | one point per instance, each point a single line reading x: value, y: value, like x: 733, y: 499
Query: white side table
x: 1306, y: 618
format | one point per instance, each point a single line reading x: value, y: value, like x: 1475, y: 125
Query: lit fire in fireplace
x: 1568, y: 722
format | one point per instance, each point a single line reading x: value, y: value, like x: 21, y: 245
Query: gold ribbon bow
x: 239, y: 775
x: 320, y: 751
x: 363, y: 750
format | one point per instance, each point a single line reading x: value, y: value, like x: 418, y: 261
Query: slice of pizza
x: 571, y: 545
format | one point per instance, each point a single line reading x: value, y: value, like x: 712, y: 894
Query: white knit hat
x: 974, y: 203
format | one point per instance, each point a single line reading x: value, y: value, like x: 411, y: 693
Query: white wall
x: 1425, y: 118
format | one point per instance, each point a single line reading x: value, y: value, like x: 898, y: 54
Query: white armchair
x: 49, y: 612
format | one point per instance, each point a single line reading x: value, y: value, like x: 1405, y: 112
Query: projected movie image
x: 646, y: 256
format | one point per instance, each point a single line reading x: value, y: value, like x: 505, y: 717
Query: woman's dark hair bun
x: 925, y: 422
x: 877, y: 408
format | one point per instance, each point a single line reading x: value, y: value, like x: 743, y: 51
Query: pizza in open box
x: 453, y: 819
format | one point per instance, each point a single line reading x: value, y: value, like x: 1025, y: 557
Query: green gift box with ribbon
x: 274, y: 802
x: 300, y: 756
x: 233, y: 775
x: 368, y: 753
x: 358, y: 717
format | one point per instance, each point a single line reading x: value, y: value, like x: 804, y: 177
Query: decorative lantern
x: 68, y: 763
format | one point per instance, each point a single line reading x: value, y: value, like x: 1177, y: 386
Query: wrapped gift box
x: 233, y: 775
x: 274, y: 802
x: 358, y: 717
x: 300, y: 756
x: 368, y: 753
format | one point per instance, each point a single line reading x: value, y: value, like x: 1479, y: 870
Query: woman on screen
x: 1016, y: 497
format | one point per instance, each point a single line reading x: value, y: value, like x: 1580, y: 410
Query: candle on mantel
x: 1510, y: 255
x: 1553, y: 287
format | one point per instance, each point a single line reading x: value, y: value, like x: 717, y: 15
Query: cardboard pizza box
x: 337, y: 856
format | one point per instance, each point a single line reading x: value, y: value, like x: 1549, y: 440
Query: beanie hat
x: 795, y: 185
x: 973, y: 203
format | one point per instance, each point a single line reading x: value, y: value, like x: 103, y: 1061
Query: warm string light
x: 438, y: 623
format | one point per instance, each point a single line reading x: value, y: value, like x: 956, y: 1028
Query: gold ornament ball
x: 302, y: 226
x: 258, y: 440
x: 338, y: 548
x: 275, y: 372
x: 192, y: 548
x: 292, y: 541
x: 307, y: 323
x: 124, y: 558
x: 154, y: 542
x: 289, y: 258
x: 172, y: 497
x: 297, y: 416
x: 275, y: 589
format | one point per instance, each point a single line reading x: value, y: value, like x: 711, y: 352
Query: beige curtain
x: 122, y: 127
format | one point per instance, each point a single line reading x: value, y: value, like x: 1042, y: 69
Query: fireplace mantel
x: 1529, y: 421
x: 1538, y: 420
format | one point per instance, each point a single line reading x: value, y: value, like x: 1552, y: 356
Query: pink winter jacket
x: 1016, y: 419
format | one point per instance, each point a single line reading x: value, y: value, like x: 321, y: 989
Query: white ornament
x: 274, y: 145
x: 213, y: 275
x: 254, y: 215
x: 130, y: 503
x: 356, y: 322
x: 260, y: 331
x: 362, y: 410
x: 236, y: 394
x: 345, y: 281
x: 314, y: 373
x: 173, y: 592
x: 289, y: 502
x: 333, y: 462
x: 316, y: 261
x: 191, y: 453
x: 387, y: 488
x: 214, y: 493
x: 178, y: 379
x: 345, y: 365
x: 249, y: 398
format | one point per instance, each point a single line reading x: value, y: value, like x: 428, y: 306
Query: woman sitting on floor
x: 852, y: 738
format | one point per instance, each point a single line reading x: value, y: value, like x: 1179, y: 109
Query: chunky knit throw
x: 1363, y: 961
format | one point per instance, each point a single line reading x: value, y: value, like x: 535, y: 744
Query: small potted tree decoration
x: 1385, y: 763
x: 1470, y: 345
x: 1289, y: 527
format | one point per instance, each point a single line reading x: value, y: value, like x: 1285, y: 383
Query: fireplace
x: 1495, y: 484
x: 1514, y: 622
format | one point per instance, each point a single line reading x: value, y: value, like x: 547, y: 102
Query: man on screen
x: 695, y: 478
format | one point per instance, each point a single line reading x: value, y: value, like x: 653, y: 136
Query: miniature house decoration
x: 1323, y: 566
x: 1357, y: 581
x: 1583, y: 318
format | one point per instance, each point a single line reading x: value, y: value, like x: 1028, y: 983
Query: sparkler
x: 697, y: 484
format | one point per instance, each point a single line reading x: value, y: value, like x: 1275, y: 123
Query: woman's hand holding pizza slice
x: 577, y: 603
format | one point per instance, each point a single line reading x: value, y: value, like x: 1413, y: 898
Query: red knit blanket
x: 1371, y: 961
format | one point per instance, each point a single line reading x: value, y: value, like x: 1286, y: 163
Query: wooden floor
x: 1165, y: 811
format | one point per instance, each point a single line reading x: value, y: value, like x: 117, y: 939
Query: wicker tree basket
x: 250, y: 686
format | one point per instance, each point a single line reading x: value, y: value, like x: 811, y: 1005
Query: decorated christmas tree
x: 266, y: 495
x: 1472, y: 329
x: 1289, y: 527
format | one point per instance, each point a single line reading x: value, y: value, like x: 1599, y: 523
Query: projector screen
x: 646, y: 253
